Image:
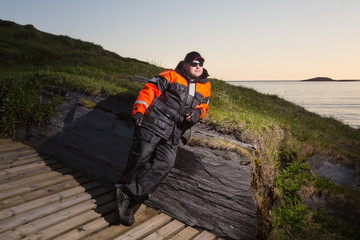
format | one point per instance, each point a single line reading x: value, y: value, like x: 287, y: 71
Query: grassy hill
x: 33, y: 62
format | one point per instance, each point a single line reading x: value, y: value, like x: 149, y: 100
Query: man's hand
x: 194, y: 116
x: 137, y: 119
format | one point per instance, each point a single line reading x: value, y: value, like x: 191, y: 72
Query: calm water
x: 340, y: 100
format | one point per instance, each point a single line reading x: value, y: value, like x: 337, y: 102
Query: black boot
x: 129, y: 214
x: 122, y: 201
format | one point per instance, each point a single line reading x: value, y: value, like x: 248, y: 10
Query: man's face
x: 194, y: 70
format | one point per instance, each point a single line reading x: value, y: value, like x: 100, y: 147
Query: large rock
x: 342, y: 173
x: 207, y: 188
x: 336, y: 206
x: 93, y: 141
x: 210, y: 189
x: 338, y: 170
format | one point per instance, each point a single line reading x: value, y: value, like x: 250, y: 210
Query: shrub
x: 292, y: 213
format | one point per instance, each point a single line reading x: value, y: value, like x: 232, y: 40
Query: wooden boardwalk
x: 40, y: 198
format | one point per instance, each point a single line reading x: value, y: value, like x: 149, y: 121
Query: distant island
x: 326, y: 79
x: 319, y: 79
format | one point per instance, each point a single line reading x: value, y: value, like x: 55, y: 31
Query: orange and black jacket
x: 168, y: 97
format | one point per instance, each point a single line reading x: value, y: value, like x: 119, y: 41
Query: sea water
x: 336, y: 99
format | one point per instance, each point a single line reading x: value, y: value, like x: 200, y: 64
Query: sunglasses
x: 194, y: 64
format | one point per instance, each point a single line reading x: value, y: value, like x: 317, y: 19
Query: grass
x: 35, y: 64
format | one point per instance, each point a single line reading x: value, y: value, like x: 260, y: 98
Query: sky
x: 239, y: 39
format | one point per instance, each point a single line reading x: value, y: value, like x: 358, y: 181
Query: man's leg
x: 149, y: 175
x: 151, y: 160
x: 143, y: 146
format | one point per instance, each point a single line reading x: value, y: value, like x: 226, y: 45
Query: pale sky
x: 239, y: 39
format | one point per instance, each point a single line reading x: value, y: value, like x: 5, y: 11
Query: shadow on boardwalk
x: 41, y: 198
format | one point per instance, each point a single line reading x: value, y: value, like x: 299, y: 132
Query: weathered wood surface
x: 41, y: 198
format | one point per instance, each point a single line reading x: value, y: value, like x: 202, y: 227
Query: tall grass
x: 21, y: 103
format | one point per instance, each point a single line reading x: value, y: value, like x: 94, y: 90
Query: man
x: 165, y: 108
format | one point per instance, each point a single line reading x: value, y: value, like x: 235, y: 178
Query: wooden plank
x: 52, y: 220
x: 47, y: 228
x: 19, y: 161
x: 27, y: 167
x: 8, y: 140
x: 204, y: 235
x: 35, y: 214
x: 103, y: 197
x: 187, y: 233
x: 37, y: 185
x: 5, y: 140
x: 14, y: 143
x: 13, y: 211
x: 31, y: 172
x: 62, y: 227
x: 65, y: 183
x: 31, y: 179
x: 90, y: 228
x: 19, y: 148
x: 167, y: 231
x: 12, y: 146
x: 114, y: 231
x: 146, y: 228
x: 23, y: 149
x: 11, y: 161
x: 21, y: 153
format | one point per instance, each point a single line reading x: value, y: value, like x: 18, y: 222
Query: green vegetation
x: 35, y: 64
x: 21, y: 104
x: 292, y: 219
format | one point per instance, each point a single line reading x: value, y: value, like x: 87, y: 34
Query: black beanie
x: 191, y: 56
